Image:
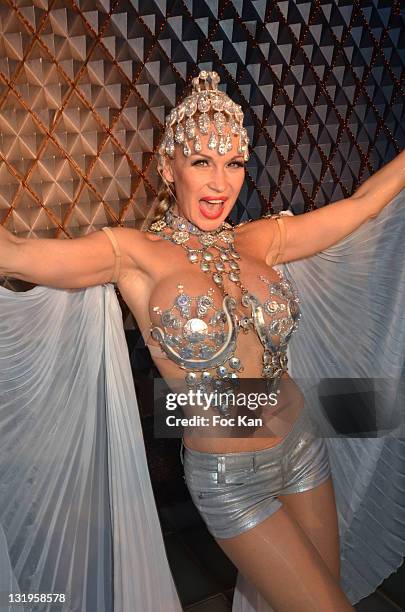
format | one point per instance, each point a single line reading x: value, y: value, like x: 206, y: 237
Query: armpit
x: 278, y: 240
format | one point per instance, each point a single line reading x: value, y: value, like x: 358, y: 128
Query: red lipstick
x: 212, y: 207
x: 214, y: 199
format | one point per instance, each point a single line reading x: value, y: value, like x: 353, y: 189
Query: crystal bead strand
x: 221, y: 239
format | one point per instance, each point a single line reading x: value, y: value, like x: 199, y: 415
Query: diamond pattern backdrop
x: 85, y: 86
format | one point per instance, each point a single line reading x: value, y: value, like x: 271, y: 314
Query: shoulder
x: 256, y: 227
x: 253, y: 237
x: 264, y: 222
x: 129, y: 239
x: 265, y: 238
x: 133, y: 246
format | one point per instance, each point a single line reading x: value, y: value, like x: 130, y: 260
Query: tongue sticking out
x: 211, y: 210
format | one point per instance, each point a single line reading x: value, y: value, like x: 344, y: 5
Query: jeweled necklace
x: 223, y: 261
x: 219, y: 261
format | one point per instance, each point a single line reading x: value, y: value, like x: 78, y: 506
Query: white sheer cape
x: 77, y: 513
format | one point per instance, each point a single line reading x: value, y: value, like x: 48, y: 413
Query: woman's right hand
x: 66, y: 263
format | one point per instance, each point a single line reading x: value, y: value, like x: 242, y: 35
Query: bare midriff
x: 289, y: 409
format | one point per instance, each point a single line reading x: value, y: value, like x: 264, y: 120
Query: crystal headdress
x: 206, y: 111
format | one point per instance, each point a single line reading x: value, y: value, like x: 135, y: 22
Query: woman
x: 219, y: 313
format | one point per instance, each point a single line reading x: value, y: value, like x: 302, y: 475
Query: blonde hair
x: 164, y: 199
x: 165, y: 196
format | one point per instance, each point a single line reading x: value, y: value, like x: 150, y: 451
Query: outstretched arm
x: 68, y: 264
x: 307, y: 234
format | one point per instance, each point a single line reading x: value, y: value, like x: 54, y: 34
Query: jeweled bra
x: 201, y: 338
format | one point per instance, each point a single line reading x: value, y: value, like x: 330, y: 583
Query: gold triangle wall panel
x: 85, y: 86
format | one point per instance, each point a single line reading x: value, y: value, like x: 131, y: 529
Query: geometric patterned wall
x: 85, y: 86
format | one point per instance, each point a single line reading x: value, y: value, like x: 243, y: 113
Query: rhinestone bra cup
x: 201, y: 337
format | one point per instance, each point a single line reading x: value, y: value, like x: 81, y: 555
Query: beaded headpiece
x: 206, y: 111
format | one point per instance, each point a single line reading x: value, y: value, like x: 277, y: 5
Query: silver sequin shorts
x: 236, y: 491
